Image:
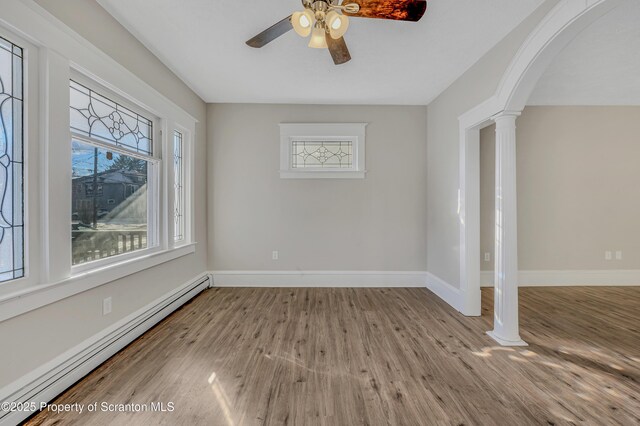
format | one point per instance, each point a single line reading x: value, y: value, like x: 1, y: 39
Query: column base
x: 504, y: 342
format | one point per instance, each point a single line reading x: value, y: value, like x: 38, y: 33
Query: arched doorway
x: 557, y: 29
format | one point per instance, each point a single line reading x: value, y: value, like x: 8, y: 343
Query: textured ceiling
x: 601, y: 66
x: 202, y: 41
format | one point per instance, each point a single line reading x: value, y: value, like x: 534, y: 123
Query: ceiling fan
x: 328, y: 20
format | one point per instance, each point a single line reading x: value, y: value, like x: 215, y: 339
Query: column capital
x: 506, y: 115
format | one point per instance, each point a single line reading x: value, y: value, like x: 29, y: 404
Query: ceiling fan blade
x: 399, y: 10
x: 271, y: 33
x: 338, y: 50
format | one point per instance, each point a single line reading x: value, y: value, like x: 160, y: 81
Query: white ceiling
x: 601, y: 66
x: 202, y: 41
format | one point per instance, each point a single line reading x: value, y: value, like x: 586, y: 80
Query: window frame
x: 183, y: 178
x: 350, y: 132
x: 30, y: 194
x: 53, y: 53
x: 154, y: 168
x: 15, y: 81
x: 188, y: 162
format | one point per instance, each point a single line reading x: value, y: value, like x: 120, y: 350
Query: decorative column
x: 505, y: 323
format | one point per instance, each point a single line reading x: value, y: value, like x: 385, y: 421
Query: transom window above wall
x: 323, y: 153
x: 322, y: 150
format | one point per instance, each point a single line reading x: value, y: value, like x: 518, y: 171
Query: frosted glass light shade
x: 337, y: 24
x: 303, y: 22
x: 318, y: 38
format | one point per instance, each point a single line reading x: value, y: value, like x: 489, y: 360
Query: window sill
x: 350, y: 174
x: 20, y: 302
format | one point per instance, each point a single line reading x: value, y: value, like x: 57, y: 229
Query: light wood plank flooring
x: 376, y: 357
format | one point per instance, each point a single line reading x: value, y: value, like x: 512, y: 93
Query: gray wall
x: 40, y: 335
x: 376, y: 223
x: 475, y: 86
x: 578, y: 188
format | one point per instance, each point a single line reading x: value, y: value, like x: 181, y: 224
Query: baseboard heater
x: 53, y: 378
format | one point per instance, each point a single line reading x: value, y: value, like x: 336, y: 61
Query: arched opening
x: 577, y: 172
x: 554, y: 33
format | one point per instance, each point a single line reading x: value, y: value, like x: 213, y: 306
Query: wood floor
x: 375, y: 357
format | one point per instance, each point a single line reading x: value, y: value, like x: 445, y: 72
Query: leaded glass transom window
x: 99, y: 117
x: 178, y: 186
x: 11, y: 162
x: 322, y: 154
x: 322, y: 150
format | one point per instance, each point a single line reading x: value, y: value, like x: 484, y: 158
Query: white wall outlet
x: 487, y: 257
x: 619, y: 255
x: 275, y: 255
x: 106, y: 306
x: 607, y: 255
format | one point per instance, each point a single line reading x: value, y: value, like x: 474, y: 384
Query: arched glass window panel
x: 11, y: 162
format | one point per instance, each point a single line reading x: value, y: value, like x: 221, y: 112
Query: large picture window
x: 11, y: 164
x: 111, y: 165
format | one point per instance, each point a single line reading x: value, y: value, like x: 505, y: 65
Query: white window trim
x: 355, y: 132
x: 31, y: 172
x: 188, y: 172
x: 154, y: 170
x: 55, y: 52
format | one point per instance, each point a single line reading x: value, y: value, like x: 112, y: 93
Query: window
x: 322, y: 150
x: 97, y: 150
x: 178, y: 187
x: 98, y: 117
x: 11, y: 165
x: 112, y: 160
x: 323, y: 154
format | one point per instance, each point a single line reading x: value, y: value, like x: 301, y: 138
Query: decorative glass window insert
x: 321, y: 154
x: 11, y: 162
x: 98, y: 117
x: 322, y: 150
x: 112, y: 164
x: 178, y: 186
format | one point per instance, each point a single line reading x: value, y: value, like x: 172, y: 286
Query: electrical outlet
x: 607, y: 255
x: 487, y: 257
x: 106, y: 306
x: 275, y: 255
x: 619, y: 255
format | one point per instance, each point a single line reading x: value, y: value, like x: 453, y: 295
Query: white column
x: 505, y: 323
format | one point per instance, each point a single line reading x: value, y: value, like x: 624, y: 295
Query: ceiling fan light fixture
x: 303, y: 22
x: 337, y: 24
x: 318, y: 37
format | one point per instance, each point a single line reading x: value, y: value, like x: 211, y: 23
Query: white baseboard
x: 345, y: 279
x: 613, y: 277
x: 445, y: 291
x: 362, y: 279
x: 46, y: 382
x: 319, y: 278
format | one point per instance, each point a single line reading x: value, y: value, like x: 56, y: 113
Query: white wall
x: 36, y: 337
x: 475, y: 86
x: 578, y: 188
x: 374, y: 224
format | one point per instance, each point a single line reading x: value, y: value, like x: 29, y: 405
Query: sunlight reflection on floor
x: 221, y: 397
